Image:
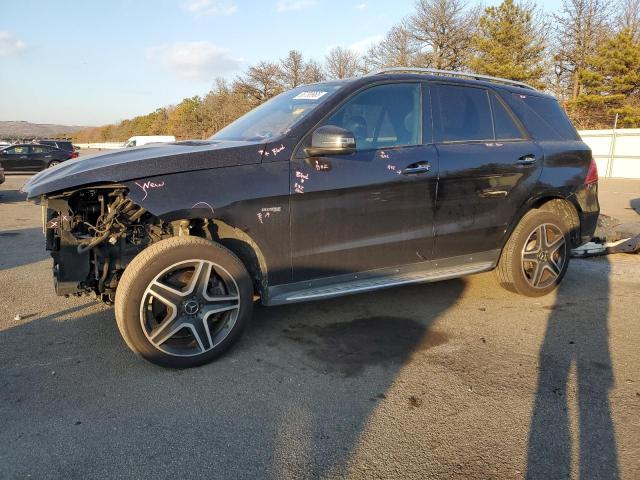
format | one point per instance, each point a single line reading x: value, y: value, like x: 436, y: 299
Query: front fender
x: 253, y: 199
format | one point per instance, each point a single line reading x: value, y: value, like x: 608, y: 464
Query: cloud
x: 362, y: 46
x: 361, y: 6
x: 290, y: 5
x: 210, y: 7
x: 200, y: 61
x: 9, y: 45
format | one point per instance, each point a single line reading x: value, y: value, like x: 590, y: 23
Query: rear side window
x: 544, y: 117
x: 505, y: 126
x: 465, y: 114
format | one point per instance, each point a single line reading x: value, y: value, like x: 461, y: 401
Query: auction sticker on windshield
x: 310, y: 95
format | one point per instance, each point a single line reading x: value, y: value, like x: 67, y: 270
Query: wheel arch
x: 554, y: 202
x: 235, y: 239
x: 246, y: 249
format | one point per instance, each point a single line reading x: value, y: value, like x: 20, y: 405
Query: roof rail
x: 447, y: 73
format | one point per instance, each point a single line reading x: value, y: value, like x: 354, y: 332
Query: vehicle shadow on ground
x: 14, y: 247
x: 575, y: 347
x: 291, y: 400
x: 11, y: 196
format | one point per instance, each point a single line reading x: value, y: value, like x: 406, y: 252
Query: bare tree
x: 342, y: 63
x: 629, y: 17
x: 292, y: 70
x: 261, y: 82
x: 580, y: 26
x: 313, y: 72
x: 443, y: 31
x: 397, y: 49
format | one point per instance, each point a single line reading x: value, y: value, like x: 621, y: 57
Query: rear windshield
x: 65, y: 146
x: 543, y: 117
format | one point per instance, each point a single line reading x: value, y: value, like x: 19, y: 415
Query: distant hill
x: 27, y: 129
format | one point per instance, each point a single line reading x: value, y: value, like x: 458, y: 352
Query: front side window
x: 465, y: 114
x: 21, y: 150
x: 383, y: 116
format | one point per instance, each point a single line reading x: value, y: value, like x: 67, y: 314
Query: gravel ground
x: 457, y: 379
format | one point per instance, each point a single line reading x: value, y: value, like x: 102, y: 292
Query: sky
x: 98, y: 62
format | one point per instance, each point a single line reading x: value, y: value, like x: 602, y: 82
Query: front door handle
x: 526, y: 160
x: 417, y: 168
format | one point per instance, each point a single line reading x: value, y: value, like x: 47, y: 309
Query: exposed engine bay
x: 93, y: 234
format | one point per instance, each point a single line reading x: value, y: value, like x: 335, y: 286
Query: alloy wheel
x: 544, y: 255
x: 189, y: 308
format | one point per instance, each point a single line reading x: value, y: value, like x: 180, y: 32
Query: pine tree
x: 509, y: 44
x: 611, y: 84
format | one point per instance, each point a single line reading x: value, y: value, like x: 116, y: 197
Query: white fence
x: 617, y: 152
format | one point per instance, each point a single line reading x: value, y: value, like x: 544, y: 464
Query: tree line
x: 587, y: 54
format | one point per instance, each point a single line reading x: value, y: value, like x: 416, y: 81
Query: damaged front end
x: 92, y: 234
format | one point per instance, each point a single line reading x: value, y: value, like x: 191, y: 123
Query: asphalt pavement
x: 457, y: 379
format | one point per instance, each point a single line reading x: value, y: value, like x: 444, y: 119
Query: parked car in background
x: 140, y: 140
x: 32, y: 157
x: 1, y: 174
x: 398, y: 177
x: 65, y: 145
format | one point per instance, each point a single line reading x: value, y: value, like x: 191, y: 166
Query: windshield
x: 278, y: 115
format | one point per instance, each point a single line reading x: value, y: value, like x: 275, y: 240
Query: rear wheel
x: 536, y: 257
x: 53, y: 163
x: 183, y: 301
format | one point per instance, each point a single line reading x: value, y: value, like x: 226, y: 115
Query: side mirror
x: 331, y: 140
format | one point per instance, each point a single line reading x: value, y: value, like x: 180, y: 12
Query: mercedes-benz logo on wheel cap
x: 191, y: 307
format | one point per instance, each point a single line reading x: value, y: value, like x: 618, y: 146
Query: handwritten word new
x: 146, y: 186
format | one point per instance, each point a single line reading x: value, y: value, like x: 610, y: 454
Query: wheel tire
x: 53, y: 163
x: 516, y: 274
x: 140, y: 277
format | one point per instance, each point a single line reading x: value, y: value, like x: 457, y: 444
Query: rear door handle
x: 526, y: 160
x: 417, y: 168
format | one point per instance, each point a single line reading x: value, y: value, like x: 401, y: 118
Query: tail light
x: 73, y: 155
x: 592, y: 173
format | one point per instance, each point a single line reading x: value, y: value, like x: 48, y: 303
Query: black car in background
x: 31, y: 157
x: 399, y: 177
x: 1, y: 174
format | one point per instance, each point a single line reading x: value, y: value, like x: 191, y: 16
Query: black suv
x: 29, y: 157
x: 341, y: 187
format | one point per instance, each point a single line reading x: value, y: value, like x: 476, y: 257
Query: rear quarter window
x: 543, y: 117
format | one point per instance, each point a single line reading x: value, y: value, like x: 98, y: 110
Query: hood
x: 140, y: 162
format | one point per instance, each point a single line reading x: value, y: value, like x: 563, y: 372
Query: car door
x: 488, y: 167
x: 16, y: 158
x: 373, y: 208
x: 40, y: 157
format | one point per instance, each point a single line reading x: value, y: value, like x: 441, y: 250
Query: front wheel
x: 536, y: 257
x: 183, y: 302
